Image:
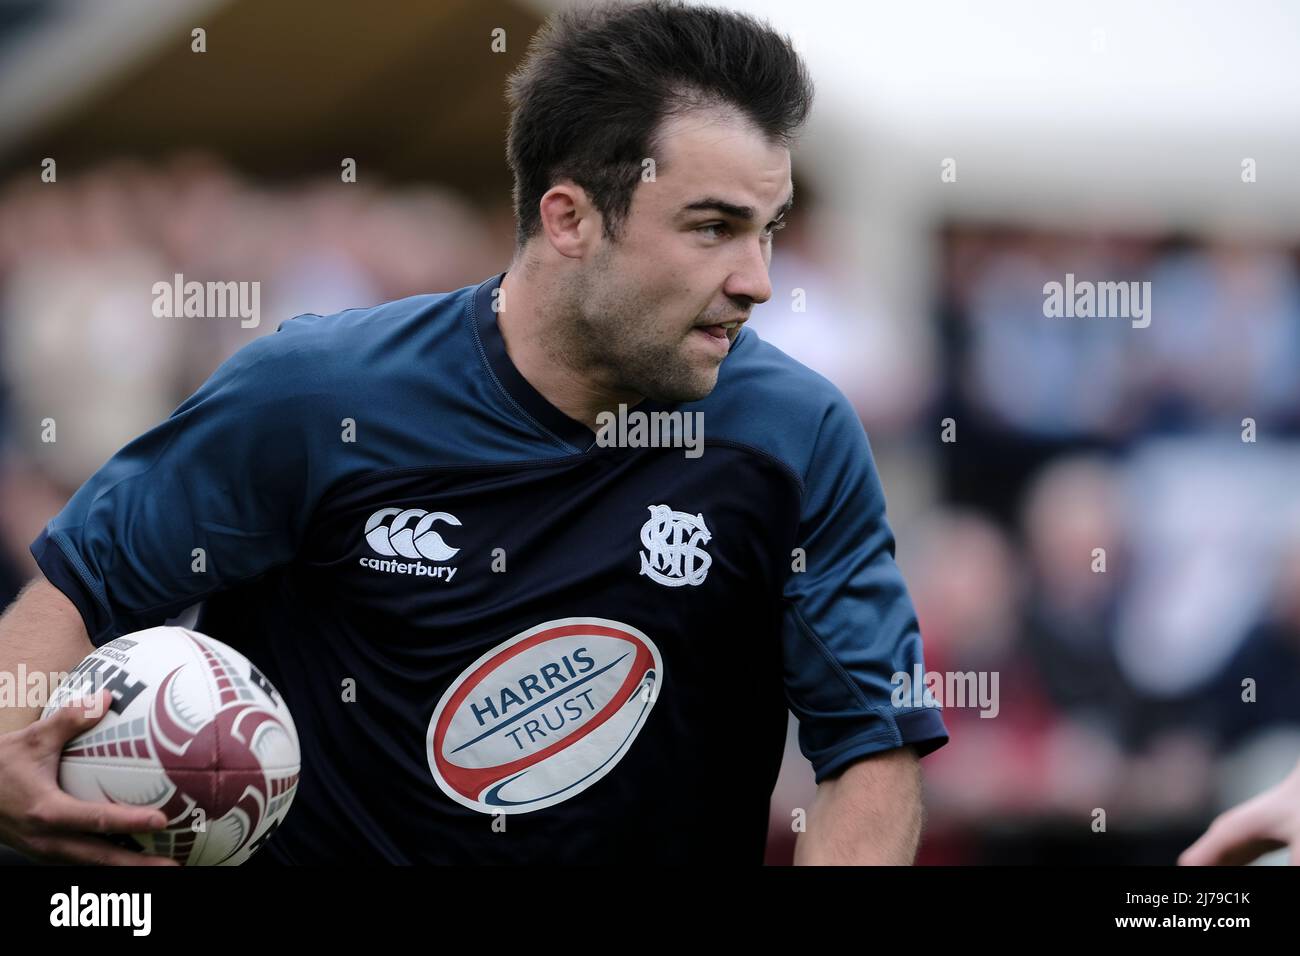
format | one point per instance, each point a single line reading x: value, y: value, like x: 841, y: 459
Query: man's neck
x: 526, y: 327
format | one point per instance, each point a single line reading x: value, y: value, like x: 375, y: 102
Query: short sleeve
x: 848, y: 623
x: 214, y: 495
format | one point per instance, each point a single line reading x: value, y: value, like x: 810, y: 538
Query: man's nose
x: 750, y: 281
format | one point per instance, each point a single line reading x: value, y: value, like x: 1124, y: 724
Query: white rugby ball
x: 195, y: 731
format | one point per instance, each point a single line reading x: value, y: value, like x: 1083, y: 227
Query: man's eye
x: 716, y: 229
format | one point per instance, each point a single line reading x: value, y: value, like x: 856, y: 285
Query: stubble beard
x: 605, y: 337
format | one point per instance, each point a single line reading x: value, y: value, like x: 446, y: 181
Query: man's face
x: 694, y: 252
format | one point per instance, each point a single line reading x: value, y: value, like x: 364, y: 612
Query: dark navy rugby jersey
x: 594, y: 646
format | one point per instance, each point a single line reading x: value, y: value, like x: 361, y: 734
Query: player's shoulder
x: 365, y: 346
x: 759, y: 368
x: 361, y: 335
x: 772, y: 402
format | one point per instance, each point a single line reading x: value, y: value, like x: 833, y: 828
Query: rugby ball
x: 193, y: 730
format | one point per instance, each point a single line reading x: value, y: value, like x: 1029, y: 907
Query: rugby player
x: 561, y: 649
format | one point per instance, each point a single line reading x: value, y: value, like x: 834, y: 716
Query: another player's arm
x: 1269, y: 821
x: 869, y: 814
x: 43, y: 631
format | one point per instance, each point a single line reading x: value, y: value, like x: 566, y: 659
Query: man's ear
x: 570, y: 221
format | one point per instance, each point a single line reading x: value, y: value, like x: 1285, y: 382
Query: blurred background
x: 960, y: 156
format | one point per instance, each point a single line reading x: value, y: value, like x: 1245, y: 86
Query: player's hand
x: 40, y: 820
x: 1267, y: 822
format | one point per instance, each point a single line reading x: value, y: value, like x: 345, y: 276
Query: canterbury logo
x: 408, y: 533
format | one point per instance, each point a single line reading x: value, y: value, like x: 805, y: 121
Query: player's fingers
x: 1237, y: 836
x: 59, y: 811
x: 1203, y: 853
x: 73, y: 718
x: 91, y: 850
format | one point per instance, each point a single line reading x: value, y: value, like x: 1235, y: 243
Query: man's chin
x: 697, y: 387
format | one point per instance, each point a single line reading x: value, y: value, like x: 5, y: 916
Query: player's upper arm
x: 215, y: 494
x: 848, y: 623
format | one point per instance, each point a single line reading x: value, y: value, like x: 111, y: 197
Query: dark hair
x: 588, y: 99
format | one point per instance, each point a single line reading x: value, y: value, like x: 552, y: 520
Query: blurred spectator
x: 1073, y: 520
x: 1269, y: 658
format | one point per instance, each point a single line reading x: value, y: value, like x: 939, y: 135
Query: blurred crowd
x: 1093, y: 527
x: 79, y: 343
x: 1111, y: 524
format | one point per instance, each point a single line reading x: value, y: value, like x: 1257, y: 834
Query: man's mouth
x: 719, y: 336
x: 721, y: 330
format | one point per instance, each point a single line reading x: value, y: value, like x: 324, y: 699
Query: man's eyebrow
x: 735, y: 211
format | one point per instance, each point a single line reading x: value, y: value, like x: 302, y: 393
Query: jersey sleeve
x: 848, y: 623
x: 215, y: 494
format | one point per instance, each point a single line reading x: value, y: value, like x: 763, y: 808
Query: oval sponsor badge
x: 542, y: 717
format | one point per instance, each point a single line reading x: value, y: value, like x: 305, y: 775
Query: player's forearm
x: 870, y: 814
x: 43, y: 632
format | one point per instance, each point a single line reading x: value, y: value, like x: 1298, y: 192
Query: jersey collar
x: 569, y: 430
